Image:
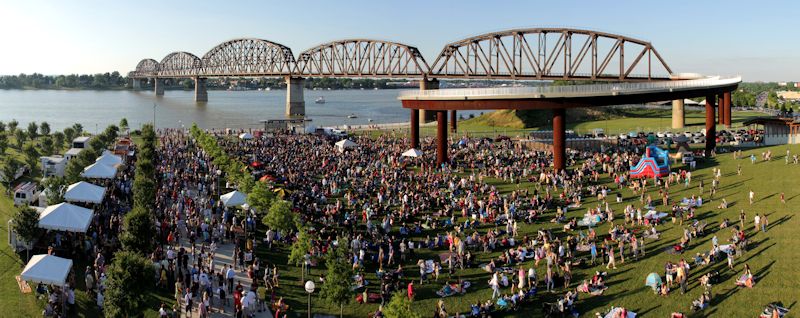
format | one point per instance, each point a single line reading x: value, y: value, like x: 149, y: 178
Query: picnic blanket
x: 589, y: 220
x: 653, y: 214
x: 725, y: 248
x: 613, y: 313
x: 454, y: 289
x: 767, y: 313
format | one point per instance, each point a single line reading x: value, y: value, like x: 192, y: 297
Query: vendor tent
x: 66, y: 217
x: 233, y: 198
x: 345, y: 144
x: 99, y: 171
x: 413, y: 152
x: 109, y: 159
x: 246, y: 136
x: 84, y: 192
x: 47, y: 269
x: 653, y: 280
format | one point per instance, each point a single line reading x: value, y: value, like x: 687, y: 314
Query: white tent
x: 66, y: 217
x: 84, y: 192
x: 413, y: 152
x: 233, y: 198
x: 345, y: 144
x: 47, y: 269
x: 109, y: 159
x: 246, y: 136
x: 99, y: 171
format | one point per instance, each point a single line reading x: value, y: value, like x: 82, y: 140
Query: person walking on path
x: 752, y: 196
x: 756, y: 221
x: 611, y: 261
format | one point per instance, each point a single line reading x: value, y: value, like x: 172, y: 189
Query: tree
x: 54, y: 189
x: 144, y: 192
x: 44, y: 128
x: 58, y: 141
x: 12, y: 125
x: 139, y: 228
x: 26, y: 224
x: 400, y: 307
x: 280, y: 216
x: 78, y: 129
x: 338, y: 270
x: 31, y: 155
x: 46, y: 145
x: 69, y: 135
x: 10, y: 167
x: 129, y: 282
x: 123, y: 123
x: 33, y: 130
x: 260, y: 197
x: 3, y: 144
x: 2, y: 126
x: 75, y: 166
x: 20, y: 136
x: 300, y: 247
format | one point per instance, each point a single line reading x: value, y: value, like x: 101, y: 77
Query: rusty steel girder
x: 362, y: 57
x: 146, y: 68
x: 179, y: 64
x: 550, y: 54
x: 248, y: 57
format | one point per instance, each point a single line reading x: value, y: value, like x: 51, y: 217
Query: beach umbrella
x: 413, y: 152
x: 653, y: 280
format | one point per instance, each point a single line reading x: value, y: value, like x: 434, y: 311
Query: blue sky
x: 756, y: 39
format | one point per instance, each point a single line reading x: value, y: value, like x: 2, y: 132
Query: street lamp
x: 219, y: 175
x: 310, y: 290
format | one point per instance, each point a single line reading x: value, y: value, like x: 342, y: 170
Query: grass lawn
x: 771, y: 255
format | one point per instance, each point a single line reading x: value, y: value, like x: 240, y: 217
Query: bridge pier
x: 427, y: 84
x: 711, y: 129
x: 678, y: 119
x: 559, y: 139
x: 136, y: 84
x: 441, y: 138
x: 158, y: 83
x: 720, y: 110
x: 453, y: 121
x: 415, y: 128
x: 727, y: 105
x: 295, y: 103
x: 200, y: 91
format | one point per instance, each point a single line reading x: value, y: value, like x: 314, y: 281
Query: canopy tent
x: 84, y: 192
x: 99, y: 171
x: 109, y: 159
x: 47, y: 269
x: 345, y: 144
x: 653, y: 280
x: 246, y: 136
x: 66, y: 217
x: 233, y: 198
x: 413, y: 152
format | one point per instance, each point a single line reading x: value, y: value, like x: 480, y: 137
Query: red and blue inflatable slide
x: 655, y: 163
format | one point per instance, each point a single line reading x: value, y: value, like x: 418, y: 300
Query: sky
x: 755, y: 39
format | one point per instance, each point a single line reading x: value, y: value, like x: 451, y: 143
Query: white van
x: 25, y: 194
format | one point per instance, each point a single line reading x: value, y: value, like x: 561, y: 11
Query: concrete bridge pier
x: 424, y: 85
x: 415, y: 128
x: 678, y: 119
x: 727, y: 104
x: 158, y: 83
x: 441, y: 138
x: 711, y: 127
x: 200, y: 92
x: 559, y: 139
x: 136, y: 83
x: 295, y: 103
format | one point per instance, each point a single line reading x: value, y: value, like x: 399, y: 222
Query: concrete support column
x: 200, y: 92
x: 415, y: 128
x: 441, y: 137
x: 727, y: 104
x: 158, y: 83
x: 720, y: 110
x: 678, y: 119
x: 711, y: 129
x: 136, y: 84
x: 559, y: 139
x: 453, y: 121
x: 295, y: 103
x: 426, y: 84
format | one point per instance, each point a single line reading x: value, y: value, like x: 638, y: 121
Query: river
x: 224, y: 109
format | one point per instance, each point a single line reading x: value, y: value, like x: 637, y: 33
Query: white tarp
x: 84, y: 192
x: 233, y: 198
x: 109, y: 159
x: 246, y: 136
x: 413, y: 152
x: 66, y: 217
x: 47, y: 269
x: 345, y: 144
x: 99, y: 171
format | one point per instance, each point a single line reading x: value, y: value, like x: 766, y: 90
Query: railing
x: 543, y: 91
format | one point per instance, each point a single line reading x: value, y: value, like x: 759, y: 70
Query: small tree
x: 26, y: 225
x: 33, y: 130
x: 46, y: 145
x: 139, y: 228
x: 69, y: 135
x: 144, y: 192
x: 400, y: 307
x: 54, y: 188
x: 12, y: 125
x: 260, y: 197
x: 280, y: 216
x: 58, y: 141
x: 3, y: 143
x: 78, y: 128
x: 44, y: 128
x: 123, y: 123
x: 10, y: 167
x: 21, y: 137
x: 300, y: 247
x: 31, y: 156
x: 130, y: 280
x: 97, y: 144
x: 338, y: 270
x: 2, y: 126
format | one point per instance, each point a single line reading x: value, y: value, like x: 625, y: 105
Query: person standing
x: 752, y: 196
x: 756, y: 221
x: 494, y: 283
x: 764, y: 223
x: 611, y: 261
x: 229, y: 275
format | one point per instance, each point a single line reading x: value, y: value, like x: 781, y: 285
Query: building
x: 53, y: 166
x: 72, y: 153
x: 81, y: 142
x: 778, y: 131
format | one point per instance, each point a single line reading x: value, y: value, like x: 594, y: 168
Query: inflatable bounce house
x: 654, y: 163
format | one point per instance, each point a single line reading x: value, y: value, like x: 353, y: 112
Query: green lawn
x: 771, y: 255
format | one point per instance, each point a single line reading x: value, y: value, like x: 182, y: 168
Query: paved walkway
x: 224, y: 257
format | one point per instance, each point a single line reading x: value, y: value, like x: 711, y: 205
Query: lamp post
x: 310, y: 290
x: 219, y: 175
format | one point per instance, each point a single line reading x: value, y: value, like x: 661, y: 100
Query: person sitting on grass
x: 702, y: 302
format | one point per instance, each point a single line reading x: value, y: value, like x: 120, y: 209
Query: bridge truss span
x: 362, y: 57
x: 179, y: 64
x: 248, y: 57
